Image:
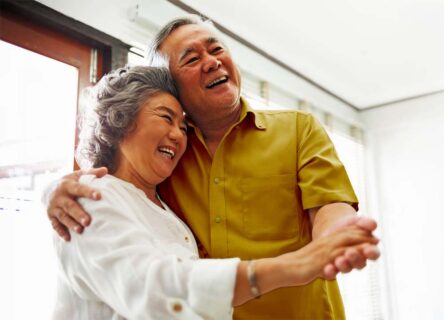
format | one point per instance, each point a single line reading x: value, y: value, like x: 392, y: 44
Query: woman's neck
x: 125, y: 172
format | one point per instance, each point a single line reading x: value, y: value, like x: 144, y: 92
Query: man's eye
x: 191, y: 60
x: 217, y: 49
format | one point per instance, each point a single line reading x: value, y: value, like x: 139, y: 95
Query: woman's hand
x: 63, y: 210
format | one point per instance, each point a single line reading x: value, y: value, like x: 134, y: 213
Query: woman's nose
x: 176, y: 133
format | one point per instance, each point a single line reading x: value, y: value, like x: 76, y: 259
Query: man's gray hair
x: 112, y: 108
x: 154, y: 53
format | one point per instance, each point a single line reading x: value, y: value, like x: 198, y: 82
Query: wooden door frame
x: 29, y: 24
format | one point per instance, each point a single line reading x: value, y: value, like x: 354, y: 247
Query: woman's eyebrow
x: 166, y: 109
x: 172, y: 113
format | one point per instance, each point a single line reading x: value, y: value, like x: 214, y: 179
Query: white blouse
x: 138, y: 261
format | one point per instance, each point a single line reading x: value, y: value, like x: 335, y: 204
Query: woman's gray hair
x: 112, y: 108
x: 153, y: 52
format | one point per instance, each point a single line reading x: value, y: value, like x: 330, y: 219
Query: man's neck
x: 214, y: 129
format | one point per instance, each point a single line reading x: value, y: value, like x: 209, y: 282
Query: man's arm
x: 62, y: 208
x: 334, y: 217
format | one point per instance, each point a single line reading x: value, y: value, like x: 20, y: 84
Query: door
x: 42, y: 73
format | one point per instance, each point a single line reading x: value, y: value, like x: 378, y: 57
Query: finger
x: 61, y: 230
x: 366, y: 223
x: 98, y: 172
x: 68, y: 222
x: 330, y: 272
x: 78, y: 190
x: 354, y: 235
x: 371, y: 252
x: 74, y: 211
x: 342, y: 264
x: 355, y: 258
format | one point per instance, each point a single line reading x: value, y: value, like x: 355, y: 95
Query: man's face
x: 207, y: 79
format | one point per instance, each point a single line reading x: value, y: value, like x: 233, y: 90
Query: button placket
x: 217, y: 204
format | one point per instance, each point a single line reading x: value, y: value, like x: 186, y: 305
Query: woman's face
x: 152, y: 148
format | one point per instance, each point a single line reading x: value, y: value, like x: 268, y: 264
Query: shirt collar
x: 257, y: 118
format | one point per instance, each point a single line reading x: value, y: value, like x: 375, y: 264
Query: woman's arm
x: 299, y: 267
x: 124, y: 264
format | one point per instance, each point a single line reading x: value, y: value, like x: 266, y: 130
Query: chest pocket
x: 270, y: 207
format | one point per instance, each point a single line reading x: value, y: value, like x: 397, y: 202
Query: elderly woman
x: 138, y: 260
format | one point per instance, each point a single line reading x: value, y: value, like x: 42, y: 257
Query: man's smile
x: 217, y: 81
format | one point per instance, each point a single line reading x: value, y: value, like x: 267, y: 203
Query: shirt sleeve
x: 322, y: 177
x: 48, y: 191
x: 118, y: 261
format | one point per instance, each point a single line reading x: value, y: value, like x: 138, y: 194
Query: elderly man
x: 251, y: 184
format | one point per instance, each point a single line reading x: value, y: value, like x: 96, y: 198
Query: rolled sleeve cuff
x: 212, y: 284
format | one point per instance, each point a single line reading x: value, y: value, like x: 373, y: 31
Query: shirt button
x: 216, y: 180
x: 177, y: 307
x: 217, y: 219
x: 187, y: 239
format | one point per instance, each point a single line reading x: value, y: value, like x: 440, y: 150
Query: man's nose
x: 211, y: 63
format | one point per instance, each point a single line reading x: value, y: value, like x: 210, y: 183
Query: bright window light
x: 37, y: 130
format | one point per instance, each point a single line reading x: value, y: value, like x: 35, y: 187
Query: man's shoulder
x: 281, y: 116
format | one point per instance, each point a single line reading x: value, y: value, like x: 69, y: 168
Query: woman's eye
x: 184, y: 129
x: 167, y: 117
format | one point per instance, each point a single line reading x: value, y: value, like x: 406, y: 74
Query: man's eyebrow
x: 187, y: 51
x: 212, y: 40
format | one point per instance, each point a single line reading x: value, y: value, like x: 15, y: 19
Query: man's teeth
x: 217, y: 81
x: 168, y: 152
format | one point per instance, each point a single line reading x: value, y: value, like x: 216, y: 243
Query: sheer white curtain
x: 361, y: 290
x: 364, y: 292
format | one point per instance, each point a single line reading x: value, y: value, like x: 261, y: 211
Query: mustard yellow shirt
x: 251, y: 200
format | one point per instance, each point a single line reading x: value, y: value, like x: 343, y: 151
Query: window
x: 42, y: 73
x: 361, y: 290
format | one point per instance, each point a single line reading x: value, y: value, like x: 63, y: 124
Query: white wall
x: 136, y: 28
x: 406, y: 153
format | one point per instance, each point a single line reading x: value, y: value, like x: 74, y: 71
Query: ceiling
x: 368, y: 53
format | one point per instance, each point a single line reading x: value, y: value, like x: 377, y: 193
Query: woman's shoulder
x: 112, y: 189
x: 107, y: 182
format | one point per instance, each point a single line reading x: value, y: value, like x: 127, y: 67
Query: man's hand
x: 63, y: 210
x: 354, y: 257
x: 335, y: 217
x: 308, y: 263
